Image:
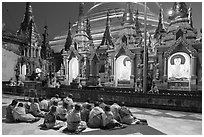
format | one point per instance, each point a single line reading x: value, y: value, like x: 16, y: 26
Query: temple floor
x: 160, y: 122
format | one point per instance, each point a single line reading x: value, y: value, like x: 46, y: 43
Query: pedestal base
x: 132, y: 82
x: 83, y: 81
x: 93, y: 81
x: 193, y: 83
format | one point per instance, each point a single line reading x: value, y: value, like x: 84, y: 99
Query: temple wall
x: 199, y: 68
x: 9, y: 61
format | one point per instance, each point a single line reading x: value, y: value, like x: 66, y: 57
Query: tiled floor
x: 153, y: 112
x: 167, y: 113
x: 160, y: 122
x: 174, y: 114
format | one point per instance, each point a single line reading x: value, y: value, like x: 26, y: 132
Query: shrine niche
x: 93, y: 78
x: 124, y: 66
x: 23, y: 71
x: 73, y: 69
x: 179, y: 67
x: 72, y: 63
x: 123, y: 69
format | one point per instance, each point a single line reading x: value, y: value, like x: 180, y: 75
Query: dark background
x: 57, y: 14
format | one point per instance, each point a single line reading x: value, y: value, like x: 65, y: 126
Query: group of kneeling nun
x: 77, y: 116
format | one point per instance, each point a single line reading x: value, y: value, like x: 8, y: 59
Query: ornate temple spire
x: 28, y: 27
x: 27, y: 19
x: 107, y: 39
x: 88, y: 29
x: 81, y: 38
x: 28, y: 7
x: 137, y: 23
x: 81, y: 23
x: 190, y: 16
x: 81, y: 9
x: 128, y: 15
x: 160, y: 29
x: 68, y: 42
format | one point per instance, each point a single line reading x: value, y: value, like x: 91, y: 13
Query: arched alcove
x: 123, y: 69
x: 73, y: 69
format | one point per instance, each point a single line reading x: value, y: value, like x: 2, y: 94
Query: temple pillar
x: 112, y: 71
x: 165, y: 69
x: 91, y: 68
x: 20, y: 71
x: 193, y: 66
x: 24, y: 52
x: 34, y: 50
x: 27, y: 52
x: 39, y: 52
x: 132, y: 76
x: 136, y: 63
x: 112, y: 66
x: 66, y: 70
x: 161, y: 65
x: 193, y: 72
x: 20, y: 68
x: 85, y: 71
x: 80, y: 68
x: 31, y: 52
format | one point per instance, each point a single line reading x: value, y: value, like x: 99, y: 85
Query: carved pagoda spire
x: 27, y: 19
x: 88, y: 29
x: 28, y: 27
x: 160, y: 29
x: 190, y: 16
x: 68, y: 42
x: 137, y: 23
x: 81, y: 23
x: 107, y: 39
x: 81, y: 9
x: 128, y: 15
x: 81, y: 38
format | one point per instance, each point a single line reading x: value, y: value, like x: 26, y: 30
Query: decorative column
x: 66, y: 70
x: 39, y: 52
x: 85, y: 67
x: 193, y: 66
x: 136, y: 63
x: 161, y: 59
x: 27, y: 52
x: 91, y: 67
x: 24, y: 52
x: 132, y: 76
x: 112, y: 70
x: 165, y: 69
x: 193, y: 72
x: 32, y: 52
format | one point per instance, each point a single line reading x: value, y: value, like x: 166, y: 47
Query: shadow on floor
x: 131, y: 129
